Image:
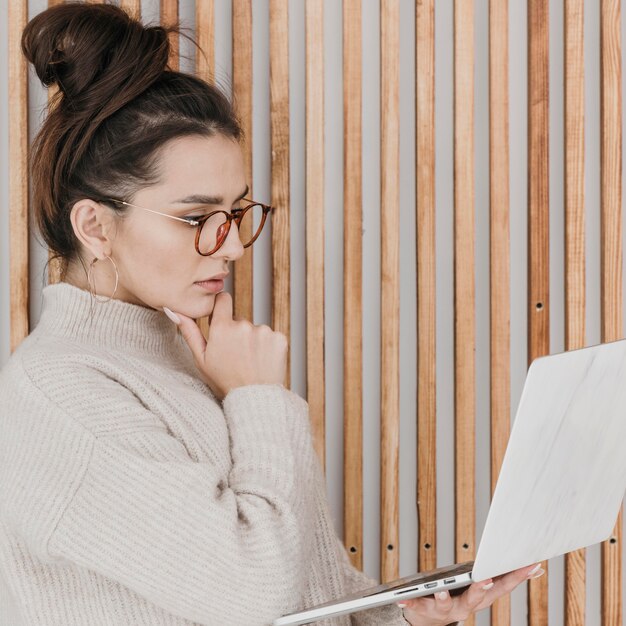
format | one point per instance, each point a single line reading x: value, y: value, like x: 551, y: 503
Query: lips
x: 221, y: 276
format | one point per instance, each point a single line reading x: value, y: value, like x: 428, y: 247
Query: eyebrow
x: 200, y: 199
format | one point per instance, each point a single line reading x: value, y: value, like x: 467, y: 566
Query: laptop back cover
x: 564, y: 472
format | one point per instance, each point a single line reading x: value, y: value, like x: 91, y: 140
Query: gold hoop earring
x: 92, y: 290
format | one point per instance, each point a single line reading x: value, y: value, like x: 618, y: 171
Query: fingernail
x: 442, y: 595
x: 534, y: 570
x: 538, y: 573
x: 401, y: 605
x: 488, y: 586
x: 171, y: 315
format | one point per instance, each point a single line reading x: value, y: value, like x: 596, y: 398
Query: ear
x: 92, y: 223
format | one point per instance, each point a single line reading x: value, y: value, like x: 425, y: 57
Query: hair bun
x: 93, y: 51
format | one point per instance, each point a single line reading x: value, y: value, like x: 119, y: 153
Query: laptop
x: 560, y: 487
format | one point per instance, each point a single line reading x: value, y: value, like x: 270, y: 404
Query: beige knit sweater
x: 130, y: 496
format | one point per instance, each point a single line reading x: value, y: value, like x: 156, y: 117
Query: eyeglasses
x: 213, y: 228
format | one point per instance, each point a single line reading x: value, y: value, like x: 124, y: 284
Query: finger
x: 476, y: 593
x: 443, y: 602
x: 192, y: 335
x: 223, y: 308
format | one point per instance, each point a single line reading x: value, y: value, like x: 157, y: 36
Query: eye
x: 192, y: 218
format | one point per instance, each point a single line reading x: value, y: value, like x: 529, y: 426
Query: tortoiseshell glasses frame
x: 222, y: 230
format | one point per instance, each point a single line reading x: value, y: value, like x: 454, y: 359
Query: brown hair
x: 117, y: 104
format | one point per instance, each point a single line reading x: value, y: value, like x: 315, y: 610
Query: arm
x: 208, y: 541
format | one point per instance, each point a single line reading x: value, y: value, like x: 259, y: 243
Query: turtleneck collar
x: 70, y: 312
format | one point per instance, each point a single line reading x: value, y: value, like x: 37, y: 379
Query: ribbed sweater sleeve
x: 181, y: 533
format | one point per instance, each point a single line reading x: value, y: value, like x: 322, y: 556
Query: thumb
x: 191, y: 333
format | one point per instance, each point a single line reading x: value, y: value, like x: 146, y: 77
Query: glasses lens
x: 215, y: 229
x: 251, y: 224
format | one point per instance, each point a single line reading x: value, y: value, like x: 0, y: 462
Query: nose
x: 232, y: 248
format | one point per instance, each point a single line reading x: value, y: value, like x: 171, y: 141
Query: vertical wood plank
x: 205, y: 69
x: 574, y: 188
x: 132, y: 6
x: 611, y: 255
x: 426, y: 294
x: 315, y: 372
x: 279, y: 111
x: 390, y: 287
x: 169, y: 17
x: 352, y: 283
x: 205, y: 37
x: 18, y: 175
x: 242, y: 98
x: 499, y: 234
x: 538, y: 228
x: 464, y: 287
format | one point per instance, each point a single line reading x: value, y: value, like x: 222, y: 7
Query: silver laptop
x: 560, y: 487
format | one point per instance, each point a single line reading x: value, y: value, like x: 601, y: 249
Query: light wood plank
x: 315, y: 336
x: 574, y: 189
x: 205, y: 37
x: 390, y: 288
x: 500, y: 282
x: 538, y: 228
x: 169, y: 17
x: 611, y: 255
x: 18, y: 175
x: 279, y: 132
x: 242, y: 98
x: 426, y: 292
x: 352, y: 284
x: 464, y: 287
x: 133, y: 7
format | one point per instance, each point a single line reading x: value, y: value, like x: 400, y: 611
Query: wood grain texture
x: 132, y: 6
x: 279, y: 134
x: 352, y: 283
x: 18, y: 175
x: 390, y: 288
x: 611, y: 254
x: 574, y: 190
x: 426, y: 292
x: 205, y: 37
x: 242, y: 98
x: 538, y: 228
x: 205, y: 69
x: 315, y: 336
x: 500, y: 257
x: 464, y: 283
x: 169, y: 17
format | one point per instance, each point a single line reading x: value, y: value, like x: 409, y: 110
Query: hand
x: 235, y: 353
x: 442, y: 608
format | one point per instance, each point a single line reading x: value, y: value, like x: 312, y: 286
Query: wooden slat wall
x: 611, y: 254
x: 464, y: 283
x: 315, y: 371
x: 279, y: 113
x: 464, y: 296
x: 352, y: 294
x: 18, y: 174
x: 574, y: 188
x: 205, y: 37
x: 390, y: 288
x: 500, y: 284
x: 426, y: 297
x: 538, y: 228
x: 242, y: 97
x: 169, y: 17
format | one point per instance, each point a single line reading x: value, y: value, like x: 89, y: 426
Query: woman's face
x: 156, y: 257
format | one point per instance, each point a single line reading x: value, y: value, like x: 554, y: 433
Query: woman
x: 149, y: 476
